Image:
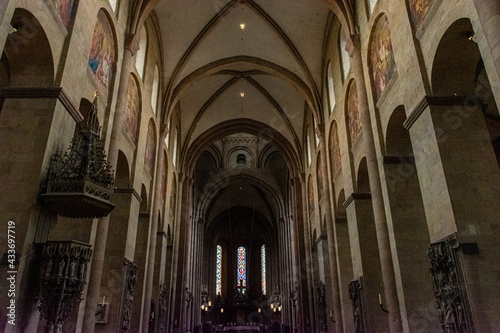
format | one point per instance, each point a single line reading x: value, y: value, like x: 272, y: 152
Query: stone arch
x: 103, y: 52
x: 381, y: 63
x: 27, y: 51
x: 122, y: 173
x: 371, y: 271
x: 233, y: 153
x: 408, y: 219
x: 190, y: 154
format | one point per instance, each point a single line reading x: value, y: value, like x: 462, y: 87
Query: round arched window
x: 241, y: 159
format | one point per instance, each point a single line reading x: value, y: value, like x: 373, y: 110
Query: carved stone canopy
x: 81, y: 182
x: 62, y: 278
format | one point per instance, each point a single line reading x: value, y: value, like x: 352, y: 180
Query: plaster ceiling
x: 276, y: 61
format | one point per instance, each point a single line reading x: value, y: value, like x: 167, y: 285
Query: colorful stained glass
x: 242, y: 267
x: 263, y: 268
x: 218, y: 271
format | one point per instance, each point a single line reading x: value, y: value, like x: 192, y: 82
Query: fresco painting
x: 353, y: 117
x: 381, y: 56
x: 335, y: 150
x: 102, y: 53
x: 320, y: 177
x: 150, y: 153
x: 418, y: 10
x: 67, y: 10
x: 310, y: 196
x: 131, y: 121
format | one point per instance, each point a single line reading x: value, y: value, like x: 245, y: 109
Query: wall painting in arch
x: 131, y: 121
x: 418, y: 10
x: 102, y: 53
x: 353, y: 117
x: 67, y: 10
x: 310, y: 196
x: 335, y: 150
x: 150, y: 153
x: 163, y: 185
x: 381, y: 56
x: 320, y: 177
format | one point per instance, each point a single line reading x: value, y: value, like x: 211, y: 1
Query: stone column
x: 300, y: 206
x: 384, y: 247
x: 326, y: 207
x: 153, y: 230
x: 99, y: 247
x: 489, y: 18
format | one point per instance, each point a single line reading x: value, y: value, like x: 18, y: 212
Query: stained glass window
x: 263, y: 268
x: 242, y: 268
x: 218, y: 271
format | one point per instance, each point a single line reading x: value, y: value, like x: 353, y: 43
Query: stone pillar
x: 389, y: 280
x: 301, y: 221
x: 153, y: 230
x: 489, y: 18
x: 103, y: 224
x: 326, y: 207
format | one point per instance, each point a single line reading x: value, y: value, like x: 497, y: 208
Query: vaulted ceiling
x: 269, y: 70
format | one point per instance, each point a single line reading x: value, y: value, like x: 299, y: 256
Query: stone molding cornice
x: 128, y: 190
x: 436, y: 100
x: 320, y: 238
x: 356, y: 196
x: 43, y: 92
x: 399, y: 159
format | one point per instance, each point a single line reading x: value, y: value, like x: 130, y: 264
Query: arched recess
x: 274, y: 201
x: 234, y: 227
x: 381, y: 63
x: 150, y: 150
x: 409, y: 223
x: 122, y: 174
x: 27, y: 51
x: 335, y: 157
x: 25, y: 133
x: 344, y: 257
x: 131, y: 122
x: 232, y: 157
x: 140, y: 57
x: 469, y: 165
x: 141, y: 249
x: 375, y: 320
x: 103, y: 53
x: 352, y: 117
x: 191, y: 154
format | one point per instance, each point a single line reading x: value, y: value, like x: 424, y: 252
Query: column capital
x: 131, y: 43
x: 353, y: 44
x: 297, y: 176
x: 320, y: 131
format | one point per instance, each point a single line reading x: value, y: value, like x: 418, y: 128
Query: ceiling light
x: 242, y: 26
x: 242, y: 94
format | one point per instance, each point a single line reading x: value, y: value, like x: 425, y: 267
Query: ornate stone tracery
x: 448, y: 291
x: 321, y: 307
x: 81, y: 181
x: 63, y: 276
x: 128, y: 294
x: 355, y: 295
